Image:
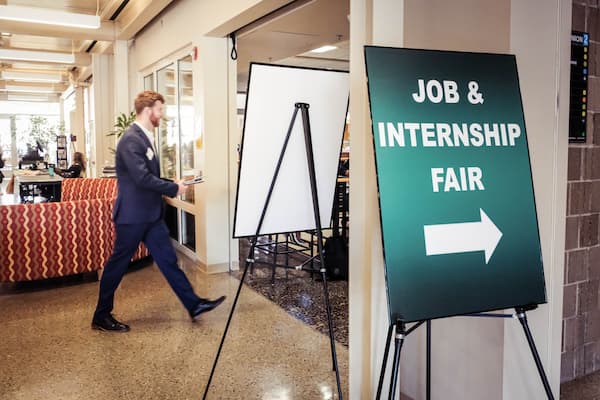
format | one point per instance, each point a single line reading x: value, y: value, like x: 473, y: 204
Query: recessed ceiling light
x: 323, y: 49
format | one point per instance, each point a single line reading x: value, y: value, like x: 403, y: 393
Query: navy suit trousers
x: 156, y: 238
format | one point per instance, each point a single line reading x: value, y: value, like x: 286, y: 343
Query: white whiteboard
x: 273, y: 91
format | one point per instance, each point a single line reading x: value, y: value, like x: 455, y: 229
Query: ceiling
x: 120, y: 19
x: 288, y: 38
x: 285, y: 36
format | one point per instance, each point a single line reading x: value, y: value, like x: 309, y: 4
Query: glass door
x: 167, y: 132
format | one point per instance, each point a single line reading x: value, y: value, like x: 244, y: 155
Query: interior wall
x: 466, y: 25
x: 472, y: 358
x: 186, y: 19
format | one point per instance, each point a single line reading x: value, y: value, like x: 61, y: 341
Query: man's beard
x: 155, y: 121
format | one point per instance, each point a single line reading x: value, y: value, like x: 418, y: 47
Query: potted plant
x: 123, y: 123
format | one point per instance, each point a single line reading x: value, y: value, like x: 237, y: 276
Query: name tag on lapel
x: 149, y: 154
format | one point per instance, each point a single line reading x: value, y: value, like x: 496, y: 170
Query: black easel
x: 303, y: 107
x: 520, y: 313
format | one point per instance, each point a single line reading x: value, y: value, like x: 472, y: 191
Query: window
x: 188, y: 230
x: 148, y: 82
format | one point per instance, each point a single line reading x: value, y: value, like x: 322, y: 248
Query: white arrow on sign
x: 463, y: 237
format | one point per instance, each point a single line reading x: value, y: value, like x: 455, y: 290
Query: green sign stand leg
x: 536, y: 357
x: 401, y: 334
x: 385, y: 357
x: 398, y: 342
x: 520, y: 313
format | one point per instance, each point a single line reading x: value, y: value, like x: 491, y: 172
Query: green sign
x: 460, y: 232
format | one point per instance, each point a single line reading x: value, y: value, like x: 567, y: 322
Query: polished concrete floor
x: 48, y: 350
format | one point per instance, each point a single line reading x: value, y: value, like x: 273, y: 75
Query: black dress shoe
x: 205, y: 306
x: 109, y: 324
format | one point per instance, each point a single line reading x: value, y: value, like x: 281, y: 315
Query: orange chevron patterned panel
x: 88, y: 188
x: 47, y: 240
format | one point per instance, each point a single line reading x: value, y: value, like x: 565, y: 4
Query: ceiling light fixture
x: 46, y: 98
x: 31, y: 55
x: 49, y: 17
x: 29, y: 89
x: 323, y: 49
x: 31, y: 77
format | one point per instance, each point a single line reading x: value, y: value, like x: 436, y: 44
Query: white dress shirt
x: 149, y: 134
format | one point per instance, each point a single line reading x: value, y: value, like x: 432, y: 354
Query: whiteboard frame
x: 298, y: 122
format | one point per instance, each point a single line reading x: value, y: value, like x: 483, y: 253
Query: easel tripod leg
x: 317, y: 215
x: 384, y: 362
x: 398, y: 341
x: 250, y: 259
x: 331, y: 339
x: 536, y: 357
x: 235, y: 300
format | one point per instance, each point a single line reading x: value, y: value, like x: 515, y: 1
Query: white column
x: 78, y: 121
x: 213, y: 95
x: 103, y: 114
x: 235, y: 138
x: 121, y: 77
x: 540, y: 39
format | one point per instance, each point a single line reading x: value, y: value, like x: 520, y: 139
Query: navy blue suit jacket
x: 139, y: 199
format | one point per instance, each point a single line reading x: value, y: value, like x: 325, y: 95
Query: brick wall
x: 581, y: 306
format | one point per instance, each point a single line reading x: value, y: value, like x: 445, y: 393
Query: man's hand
x: 182, y: 188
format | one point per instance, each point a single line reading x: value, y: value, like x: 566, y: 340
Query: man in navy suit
x: 138, y: 216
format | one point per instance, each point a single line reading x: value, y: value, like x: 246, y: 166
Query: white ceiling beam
x: 103, y: 48
x: 105, y: 32
x: 136, y: 15
x: 109, y: 9
x: 83, y: 73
